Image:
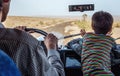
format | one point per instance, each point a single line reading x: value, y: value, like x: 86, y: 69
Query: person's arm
x: 53, y: 56
x: 55, y: 62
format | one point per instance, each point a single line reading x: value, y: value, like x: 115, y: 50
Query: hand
x: 22, y: 28
x: 51, y: 42
x: 82, y: 32
x: 109, y: 33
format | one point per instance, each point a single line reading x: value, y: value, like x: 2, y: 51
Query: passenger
x: 27, y: 52
x: 95, y: 56
x: 7, y: 66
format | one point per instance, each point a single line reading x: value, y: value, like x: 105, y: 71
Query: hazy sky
x: 60, y: 7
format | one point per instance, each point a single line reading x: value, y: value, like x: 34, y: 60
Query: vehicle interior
x: 72, y: 60
x: 79, y: 15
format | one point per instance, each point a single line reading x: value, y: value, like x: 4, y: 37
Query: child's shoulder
x: 91, y: 35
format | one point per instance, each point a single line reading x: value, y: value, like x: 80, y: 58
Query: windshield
x: 54, y: 16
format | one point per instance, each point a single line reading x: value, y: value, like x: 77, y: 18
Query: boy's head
x: 102, y: 22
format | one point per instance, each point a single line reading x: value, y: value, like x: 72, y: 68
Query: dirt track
x: 63, y: 26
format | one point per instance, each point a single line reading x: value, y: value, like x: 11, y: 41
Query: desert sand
x: 63, y: 26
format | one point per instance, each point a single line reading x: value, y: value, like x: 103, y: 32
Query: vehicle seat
x: 69, y: 58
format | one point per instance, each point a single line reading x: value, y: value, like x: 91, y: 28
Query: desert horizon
x: 62, y: 25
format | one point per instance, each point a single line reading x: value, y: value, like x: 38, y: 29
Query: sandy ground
x: 63, y: 26
x: 116, y: 34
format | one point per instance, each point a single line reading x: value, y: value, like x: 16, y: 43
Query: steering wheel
x: 40, y: 32
x: 37, y: 31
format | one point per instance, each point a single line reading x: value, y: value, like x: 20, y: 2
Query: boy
x: 95, y: 56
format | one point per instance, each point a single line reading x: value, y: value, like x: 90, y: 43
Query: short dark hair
x: 102, y: 22
x: 1, y: 4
